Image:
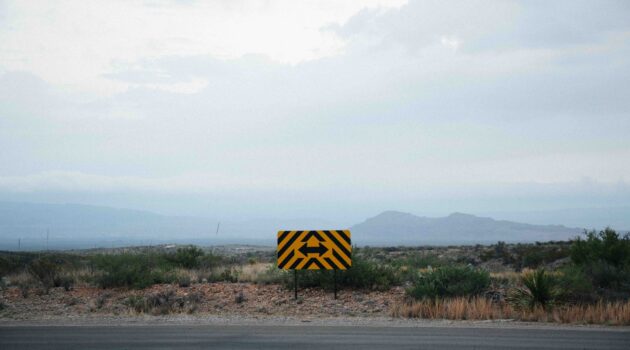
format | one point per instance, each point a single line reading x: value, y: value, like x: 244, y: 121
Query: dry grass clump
x: 164, y: 302
x: 479, y: 308
x: 608, y: 313
x: 461, y: 308
x: 251, y: 272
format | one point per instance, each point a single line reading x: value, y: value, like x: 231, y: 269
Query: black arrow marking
x: 320, y: 249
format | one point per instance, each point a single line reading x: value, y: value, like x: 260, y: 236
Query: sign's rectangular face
x: 314, y: 250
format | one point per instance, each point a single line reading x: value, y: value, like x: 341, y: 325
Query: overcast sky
x: 334, y: 109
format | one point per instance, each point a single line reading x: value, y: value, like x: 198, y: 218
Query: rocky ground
x: 218, y: 299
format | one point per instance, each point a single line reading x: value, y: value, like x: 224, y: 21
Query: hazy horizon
x: 240, y: 110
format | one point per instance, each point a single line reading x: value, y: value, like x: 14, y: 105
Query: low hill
x: 393, y: 227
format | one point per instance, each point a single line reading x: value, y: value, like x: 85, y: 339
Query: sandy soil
x: 220, y: 299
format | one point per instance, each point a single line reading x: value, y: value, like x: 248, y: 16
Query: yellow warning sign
x: 314, y: 250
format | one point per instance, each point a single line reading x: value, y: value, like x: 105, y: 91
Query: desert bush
x: 137, y: 303
x: 65, y: 281
x: 131, y: 270
x: 363, y: 274
x: 539, y: 289
x: 420, y: 261
x: 604, y: 258
x: 163, y: 302
x: 450, y: 281
x: 227, y: 274
x: 271, y: 275
x: 45, y: 271
x: 575, y: 285
x: 240, y: 298
x: 101, y: 299
x: 183, y: 281
x: 187, y: 257
x: 607, y: 246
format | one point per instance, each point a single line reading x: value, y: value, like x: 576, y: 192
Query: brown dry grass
x: 479, y: 308
x: 454, y: 309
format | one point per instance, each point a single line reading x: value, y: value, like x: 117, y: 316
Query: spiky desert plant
x: 539, y: 290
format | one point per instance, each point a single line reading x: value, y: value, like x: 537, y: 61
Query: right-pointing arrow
x: 320, y: 249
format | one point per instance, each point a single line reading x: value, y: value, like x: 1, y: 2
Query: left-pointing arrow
x: 320, y: 249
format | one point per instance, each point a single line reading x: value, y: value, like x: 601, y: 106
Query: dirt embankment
x: 244, y: 299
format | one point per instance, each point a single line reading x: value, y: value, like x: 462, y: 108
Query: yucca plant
x: 539, y: 290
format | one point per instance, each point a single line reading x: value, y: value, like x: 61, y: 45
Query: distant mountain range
x: 27, y: 225
x: 405, y: 228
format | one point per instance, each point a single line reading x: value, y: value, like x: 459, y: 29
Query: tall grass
x: 460, y: 308
x: 479, y: 308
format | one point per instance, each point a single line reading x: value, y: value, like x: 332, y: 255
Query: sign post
x: 295, y: 282
x: 314, y: 250
x: 335, y: 282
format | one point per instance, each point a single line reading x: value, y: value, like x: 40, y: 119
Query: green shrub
x: 363, y: 274
x: 604, y: 258
x: 539, y: 289
x: 420, y: 261
x: 450, y: 281
x: 227, y: 275
x: 164, y: 302
x: 131, y: 270
x: 575, y: 284
x: 137, y: 302
x: 65, y: 281
x: 606, y: 246
x: 187, y: 257
x: 272, y: 275
x: 183, y: 281
x: 534, y: 256
x: 45, y: 270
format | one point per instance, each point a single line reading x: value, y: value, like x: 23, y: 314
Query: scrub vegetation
x: 586, y: 280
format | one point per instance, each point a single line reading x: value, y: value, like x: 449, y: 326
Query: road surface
x: 304, y: 337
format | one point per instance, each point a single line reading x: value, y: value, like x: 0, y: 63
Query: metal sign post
x: 295, y: 282
x: 335, y: 282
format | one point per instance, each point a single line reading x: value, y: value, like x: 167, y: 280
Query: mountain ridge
x: 456, y: 227
x: 72, y: 224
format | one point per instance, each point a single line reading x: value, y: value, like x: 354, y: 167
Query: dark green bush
x: 575, y: 284
x: 226, y: 275
x: 45, y: 270
x: 604, y: 257
x: 450, y: 281
x: 183, y: 281
x: 187, y: 257
x: 363, y: 274
x: 606, y: 246
x: 131, y: 270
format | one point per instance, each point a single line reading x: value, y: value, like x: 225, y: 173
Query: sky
x: 330, y: 109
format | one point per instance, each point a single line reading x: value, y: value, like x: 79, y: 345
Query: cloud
x: 490, y: 26
x: 421, y: 101
x: 75, y: 45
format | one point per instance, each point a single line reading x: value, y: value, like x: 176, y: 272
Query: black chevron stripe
x: 312, y: 233
x: 337, y: 243
x: 282, y: 236
x: 286, y: 260
x: 332, y: 263
x: 291, y: 240
x: 345, y: 237
x: 340, y: 259
x: 314, y: 261
x: 296, y: 263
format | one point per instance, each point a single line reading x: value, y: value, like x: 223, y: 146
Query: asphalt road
x: 304, y: 337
